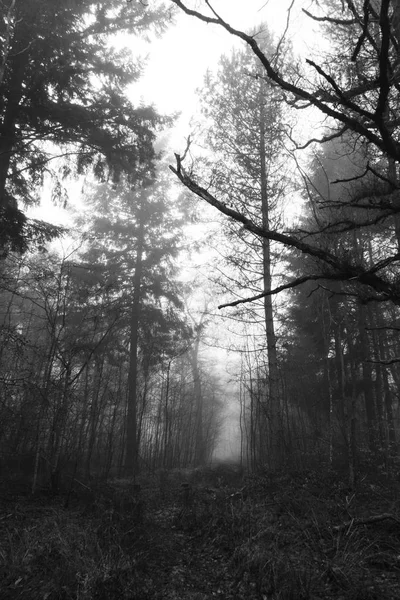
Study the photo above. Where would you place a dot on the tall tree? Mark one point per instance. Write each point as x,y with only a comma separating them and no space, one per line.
345,359
134,237
62,92
245,133
369,109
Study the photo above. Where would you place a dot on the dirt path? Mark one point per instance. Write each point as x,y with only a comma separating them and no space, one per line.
186,562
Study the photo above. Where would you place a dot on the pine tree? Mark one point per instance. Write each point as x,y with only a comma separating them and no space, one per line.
134,237
62,92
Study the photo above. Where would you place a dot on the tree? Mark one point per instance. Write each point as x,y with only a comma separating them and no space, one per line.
51,336
369,110
350,246
85,337
62,92
244,119
134,237
335,322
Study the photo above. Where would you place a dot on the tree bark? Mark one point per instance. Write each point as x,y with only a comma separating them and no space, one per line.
98,366
167,459
341,380
17,63
131,453
367,378
200,454
273,375
10,21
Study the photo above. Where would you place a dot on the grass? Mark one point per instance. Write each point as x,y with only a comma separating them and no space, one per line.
275,537
50,552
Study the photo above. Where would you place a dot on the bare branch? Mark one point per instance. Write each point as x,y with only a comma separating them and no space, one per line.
383,328
342,269
390,361
384,63
323,140
367,521
342,96
280,288
364,32
355,122
278,47
329,19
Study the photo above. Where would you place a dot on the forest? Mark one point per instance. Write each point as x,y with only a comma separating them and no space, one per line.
200,357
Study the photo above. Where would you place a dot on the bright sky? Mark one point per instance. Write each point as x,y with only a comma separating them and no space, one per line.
176,66
178,61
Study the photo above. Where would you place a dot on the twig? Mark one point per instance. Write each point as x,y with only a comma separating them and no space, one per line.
366,521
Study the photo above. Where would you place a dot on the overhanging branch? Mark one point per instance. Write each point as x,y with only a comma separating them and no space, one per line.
355,122
280,288
341,269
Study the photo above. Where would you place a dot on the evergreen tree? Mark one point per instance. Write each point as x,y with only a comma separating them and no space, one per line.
62,92
133,238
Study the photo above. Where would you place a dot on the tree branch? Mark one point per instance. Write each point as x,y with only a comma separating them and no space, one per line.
384,140
390,361
366,521
280,288
329,19
343,269
323,140
384,63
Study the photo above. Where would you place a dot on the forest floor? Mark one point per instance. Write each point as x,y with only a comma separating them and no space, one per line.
204,534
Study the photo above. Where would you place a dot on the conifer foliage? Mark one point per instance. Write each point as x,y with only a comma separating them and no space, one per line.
62,92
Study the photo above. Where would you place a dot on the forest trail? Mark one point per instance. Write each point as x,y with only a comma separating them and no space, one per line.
192,535
191,543
190,567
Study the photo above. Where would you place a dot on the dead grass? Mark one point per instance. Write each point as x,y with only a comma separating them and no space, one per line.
291,537
294,550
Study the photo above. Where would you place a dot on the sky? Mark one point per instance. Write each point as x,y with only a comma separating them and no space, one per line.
176,65
178,61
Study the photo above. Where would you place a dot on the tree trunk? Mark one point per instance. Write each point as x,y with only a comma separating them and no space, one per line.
10,22
94,412
142,408
167,423
383,344
17,63
200,454
131,455
58,430
326,334
273,375
365,357
352,414
341,380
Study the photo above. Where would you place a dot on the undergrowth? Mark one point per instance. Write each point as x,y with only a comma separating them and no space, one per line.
197,535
